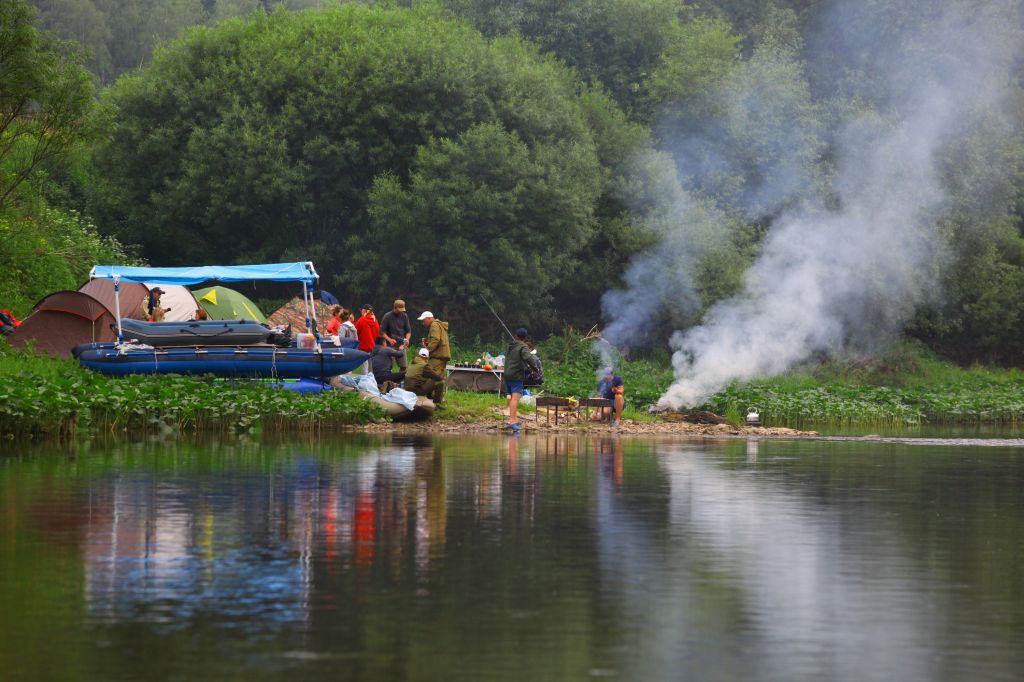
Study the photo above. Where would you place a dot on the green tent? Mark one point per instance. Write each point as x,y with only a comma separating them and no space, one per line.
221,303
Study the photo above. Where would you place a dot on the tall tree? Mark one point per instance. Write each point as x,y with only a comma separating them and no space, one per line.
627,46
398,149
45,94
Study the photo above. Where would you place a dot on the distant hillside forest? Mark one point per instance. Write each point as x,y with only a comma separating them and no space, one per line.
523,152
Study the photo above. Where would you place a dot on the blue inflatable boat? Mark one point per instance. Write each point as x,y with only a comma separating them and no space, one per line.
252,361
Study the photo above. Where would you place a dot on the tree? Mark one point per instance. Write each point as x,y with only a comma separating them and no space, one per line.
396,148
45,94
627,46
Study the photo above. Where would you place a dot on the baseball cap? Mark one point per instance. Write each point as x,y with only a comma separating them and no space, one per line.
157,290
423,353
367,306
522,332
399,305
424,315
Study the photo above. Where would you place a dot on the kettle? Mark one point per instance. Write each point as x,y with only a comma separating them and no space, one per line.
753,417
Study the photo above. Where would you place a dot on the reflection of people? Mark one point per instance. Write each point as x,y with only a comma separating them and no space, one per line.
517,358
421,379
396,329
611,387
436,343
152,311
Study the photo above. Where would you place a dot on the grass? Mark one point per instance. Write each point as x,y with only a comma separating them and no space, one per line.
906,386
57,398
466,406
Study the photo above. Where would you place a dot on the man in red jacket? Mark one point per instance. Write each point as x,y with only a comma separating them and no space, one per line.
368,330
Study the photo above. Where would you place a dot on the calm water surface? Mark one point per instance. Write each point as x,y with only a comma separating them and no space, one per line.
529,558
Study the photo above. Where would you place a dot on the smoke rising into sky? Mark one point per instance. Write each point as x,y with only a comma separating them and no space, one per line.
846,264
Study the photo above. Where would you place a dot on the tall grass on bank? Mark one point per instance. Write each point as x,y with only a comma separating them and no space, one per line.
57,398
571,368
907,385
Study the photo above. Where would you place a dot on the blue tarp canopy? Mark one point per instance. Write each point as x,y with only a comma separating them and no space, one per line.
272,272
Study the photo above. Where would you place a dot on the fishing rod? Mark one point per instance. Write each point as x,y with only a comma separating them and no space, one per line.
499,318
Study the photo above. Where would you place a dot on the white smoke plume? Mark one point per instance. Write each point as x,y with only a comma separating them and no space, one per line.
850,263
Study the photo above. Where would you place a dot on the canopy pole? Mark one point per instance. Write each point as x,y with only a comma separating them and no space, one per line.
312,304
311,307
305,301
117,307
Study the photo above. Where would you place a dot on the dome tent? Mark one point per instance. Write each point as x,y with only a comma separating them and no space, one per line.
132,295
221,303
294,313
63,320
181,304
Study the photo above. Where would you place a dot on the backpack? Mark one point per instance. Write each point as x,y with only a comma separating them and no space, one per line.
534,376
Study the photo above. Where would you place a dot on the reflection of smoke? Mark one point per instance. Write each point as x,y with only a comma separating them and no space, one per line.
850,266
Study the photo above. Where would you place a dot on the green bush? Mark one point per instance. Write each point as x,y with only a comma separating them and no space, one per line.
57,397
47,250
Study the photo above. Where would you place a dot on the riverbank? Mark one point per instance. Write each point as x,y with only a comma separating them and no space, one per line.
43,398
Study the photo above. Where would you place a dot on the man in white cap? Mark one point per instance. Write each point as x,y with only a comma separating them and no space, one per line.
436,343
422,380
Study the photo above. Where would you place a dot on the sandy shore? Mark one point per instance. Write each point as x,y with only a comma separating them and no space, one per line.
626,428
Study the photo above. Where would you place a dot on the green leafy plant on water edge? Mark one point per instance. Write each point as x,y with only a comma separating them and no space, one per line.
43,395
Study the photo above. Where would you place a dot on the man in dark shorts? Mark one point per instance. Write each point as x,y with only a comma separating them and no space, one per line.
517,358
611,387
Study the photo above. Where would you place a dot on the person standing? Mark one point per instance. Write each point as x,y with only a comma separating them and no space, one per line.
152,311
517,358
396,329
348,327
436,343
368,330
334,325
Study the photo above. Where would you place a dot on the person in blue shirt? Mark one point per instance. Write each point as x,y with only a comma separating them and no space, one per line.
611,387
380,362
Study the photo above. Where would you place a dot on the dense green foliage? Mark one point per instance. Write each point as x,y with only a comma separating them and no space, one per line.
120,35
46,250
518,150
484,153
57,397
46,96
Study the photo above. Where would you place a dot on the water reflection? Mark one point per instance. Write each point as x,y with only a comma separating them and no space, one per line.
448,558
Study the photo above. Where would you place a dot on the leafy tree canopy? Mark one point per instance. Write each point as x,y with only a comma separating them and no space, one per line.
398,149
45,95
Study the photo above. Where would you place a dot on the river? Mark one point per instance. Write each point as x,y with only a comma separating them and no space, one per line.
514,558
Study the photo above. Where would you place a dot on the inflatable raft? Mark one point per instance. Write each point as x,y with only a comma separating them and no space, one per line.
197,333
253,361
424,409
